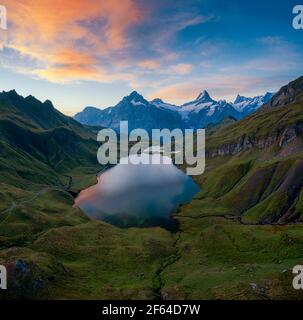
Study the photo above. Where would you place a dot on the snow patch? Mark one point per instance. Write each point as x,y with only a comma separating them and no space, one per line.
137,103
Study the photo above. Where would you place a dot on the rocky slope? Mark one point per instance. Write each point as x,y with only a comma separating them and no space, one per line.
288,94
277,125
265,154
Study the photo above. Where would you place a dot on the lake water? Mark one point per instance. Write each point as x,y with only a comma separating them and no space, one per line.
138,194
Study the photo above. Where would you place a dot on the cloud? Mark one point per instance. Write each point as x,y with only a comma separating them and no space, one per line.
182,68
275,59
152,45
68,74
219,86
70,36
97,40
149,64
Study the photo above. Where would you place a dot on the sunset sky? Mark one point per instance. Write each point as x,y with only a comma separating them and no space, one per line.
89,52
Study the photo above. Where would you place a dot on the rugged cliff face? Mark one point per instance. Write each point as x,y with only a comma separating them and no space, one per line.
276,123
293,92
279,137
254,167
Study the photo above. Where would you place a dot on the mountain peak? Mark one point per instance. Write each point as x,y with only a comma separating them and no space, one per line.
11,93
49,104
287,94
135,95
135,99
240,99
157,100
268,96
204,97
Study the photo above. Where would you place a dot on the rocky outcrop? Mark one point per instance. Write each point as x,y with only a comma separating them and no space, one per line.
27,278
291,133
287,94
280,137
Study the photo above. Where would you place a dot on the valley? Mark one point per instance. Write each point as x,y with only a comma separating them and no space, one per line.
239,238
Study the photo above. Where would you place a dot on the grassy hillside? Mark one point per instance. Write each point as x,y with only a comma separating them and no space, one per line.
242,235
51,249
259,173
238,239
38,143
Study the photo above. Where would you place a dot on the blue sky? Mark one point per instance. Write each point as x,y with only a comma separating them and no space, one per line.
85,52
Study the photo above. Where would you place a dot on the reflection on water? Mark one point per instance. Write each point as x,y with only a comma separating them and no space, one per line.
138,195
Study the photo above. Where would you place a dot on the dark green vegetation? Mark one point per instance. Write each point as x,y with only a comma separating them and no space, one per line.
238,239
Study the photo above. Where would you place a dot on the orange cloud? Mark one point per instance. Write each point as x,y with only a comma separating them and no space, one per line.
70,72
220,86
182,68
70,36
177,93
149,64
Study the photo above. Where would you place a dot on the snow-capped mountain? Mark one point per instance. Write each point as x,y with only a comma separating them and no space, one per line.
205,110
163,105
202,111
157,114
249,105
139,112
203,101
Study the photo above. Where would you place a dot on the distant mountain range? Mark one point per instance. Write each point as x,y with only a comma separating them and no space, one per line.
253,179
157,114
247,106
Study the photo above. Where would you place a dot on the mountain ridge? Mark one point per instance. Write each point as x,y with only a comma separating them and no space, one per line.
199,113
246,223
265,153
289,93
42,137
